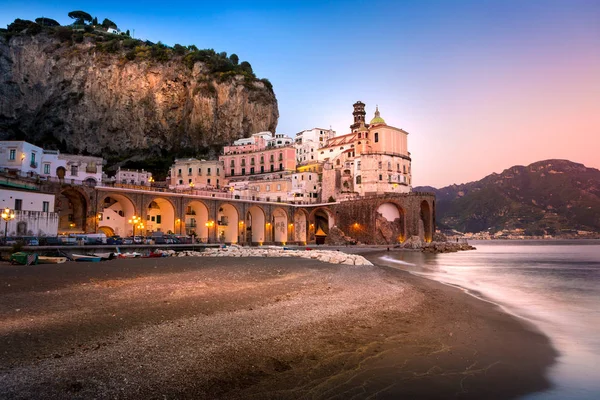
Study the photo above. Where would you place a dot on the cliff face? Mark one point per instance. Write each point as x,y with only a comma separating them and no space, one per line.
79,99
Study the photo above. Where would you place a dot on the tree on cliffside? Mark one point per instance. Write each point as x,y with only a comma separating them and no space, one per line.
107,23
234,59
46,21
80,17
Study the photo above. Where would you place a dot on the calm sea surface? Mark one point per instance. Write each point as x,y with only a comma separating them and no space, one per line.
553,284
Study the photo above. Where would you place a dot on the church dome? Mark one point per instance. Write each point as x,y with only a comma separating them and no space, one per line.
377,120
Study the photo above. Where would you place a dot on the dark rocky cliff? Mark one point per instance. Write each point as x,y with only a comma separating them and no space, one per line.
78,98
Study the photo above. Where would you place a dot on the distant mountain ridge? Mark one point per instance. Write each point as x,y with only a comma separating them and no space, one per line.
546,197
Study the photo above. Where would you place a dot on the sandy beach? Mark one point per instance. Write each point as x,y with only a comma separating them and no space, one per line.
259,328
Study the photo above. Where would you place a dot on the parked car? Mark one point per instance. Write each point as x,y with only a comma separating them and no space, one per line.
114,240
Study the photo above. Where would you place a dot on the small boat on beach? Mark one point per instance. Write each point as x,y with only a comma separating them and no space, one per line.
154,255
85,258
23,258
51,260
129,255
105,256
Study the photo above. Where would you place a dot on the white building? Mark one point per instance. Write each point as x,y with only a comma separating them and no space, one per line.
26,159
133,177
306,187
34,213
191,173
265,139
309,141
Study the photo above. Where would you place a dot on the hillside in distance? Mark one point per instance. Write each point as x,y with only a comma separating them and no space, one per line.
547,197
81,89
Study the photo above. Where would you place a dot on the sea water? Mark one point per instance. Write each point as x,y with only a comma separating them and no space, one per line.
553,284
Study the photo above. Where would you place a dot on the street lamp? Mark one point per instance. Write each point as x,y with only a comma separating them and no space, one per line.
209,225
135,221
7,215
191,187
151,181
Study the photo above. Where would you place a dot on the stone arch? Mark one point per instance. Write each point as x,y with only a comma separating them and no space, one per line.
160,216
321,219
390,223
107,230
115,210
279,225
425,222
300,227
196,220
227,224
72,208
255,225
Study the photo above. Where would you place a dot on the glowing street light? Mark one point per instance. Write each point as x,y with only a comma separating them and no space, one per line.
7,215
135,221
209,225
191,187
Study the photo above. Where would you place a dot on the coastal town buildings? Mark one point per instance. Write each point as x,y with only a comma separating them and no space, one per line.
194,174
33,211
25,159
133,177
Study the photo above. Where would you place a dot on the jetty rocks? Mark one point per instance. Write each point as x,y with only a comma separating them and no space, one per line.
327,256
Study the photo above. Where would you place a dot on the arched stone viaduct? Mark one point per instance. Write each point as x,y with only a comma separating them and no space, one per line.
384,219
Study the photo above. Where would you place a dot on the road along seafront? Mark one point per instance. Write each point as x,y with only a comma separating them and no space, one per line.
255,327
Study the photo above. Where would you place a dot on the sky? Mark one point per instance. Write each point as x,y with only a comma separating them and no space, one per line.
479,85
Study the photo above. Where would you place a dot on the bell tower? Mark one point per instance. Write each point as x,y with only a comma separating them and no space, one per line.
359,115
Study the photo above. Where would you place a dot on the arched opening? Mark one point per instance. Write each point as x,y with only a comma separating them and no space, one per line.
116,210
71,206
196,220
160,217
255,225
107,230
425,222
279,226
390,224
91,182
299,229
61,172
227,224
319,229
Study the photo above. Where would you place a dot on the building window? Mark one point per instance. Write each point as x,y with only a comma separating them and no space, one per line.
389,165
74,170
268,188
232,172
252,161
358,180
189,181
280,166
358,165
208,171
404,168
33,158
46,168
180,182
251,170
45,206
189,171
232,164
262,159
243,162
179,172
278,188
12,154
262,169
217,171
272,168
208,181
18,204
379,165
380,177
158,219
243,171
376,137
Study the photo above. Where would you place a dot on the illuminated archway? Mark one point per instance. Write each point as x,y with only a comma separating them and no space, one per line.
255,225
160,217
116,209
107,230
196,218
390,224
279,226
71,206
321,220
227,224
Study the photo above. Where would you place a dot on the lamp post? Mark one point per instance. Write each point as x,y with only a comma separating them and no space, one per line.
151,181
134,221
7,215
209,225
191,187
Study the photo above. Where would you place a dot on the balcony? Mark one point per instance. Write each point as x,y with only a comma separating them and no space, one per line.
33,164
